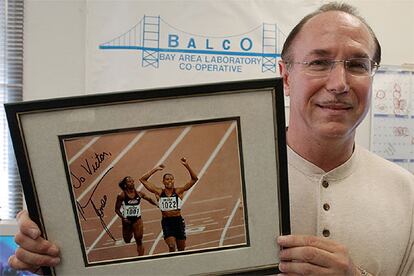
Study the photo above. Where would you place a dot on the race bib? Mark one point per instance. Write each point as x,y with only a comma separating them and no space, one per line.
169,203
132,211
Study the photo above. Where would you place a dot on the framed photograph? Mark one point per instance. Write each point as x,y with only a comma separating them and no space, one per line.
179,181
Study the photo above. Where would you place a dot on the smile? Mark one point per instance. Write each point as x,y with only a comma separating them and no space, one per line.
335,106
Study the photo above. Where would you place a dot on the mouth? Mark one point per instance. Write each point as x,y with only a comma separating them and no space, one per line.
335,106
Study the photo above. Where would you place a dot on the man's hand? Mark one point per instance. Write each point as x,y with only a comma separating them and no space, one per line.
34,251
311,255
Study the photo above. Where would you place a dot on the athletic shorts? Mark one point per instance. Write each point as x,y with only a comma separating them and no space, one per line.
133,219
173,227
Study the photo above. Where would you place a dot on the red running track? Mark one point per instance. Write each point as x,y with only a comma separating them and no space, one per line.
213,209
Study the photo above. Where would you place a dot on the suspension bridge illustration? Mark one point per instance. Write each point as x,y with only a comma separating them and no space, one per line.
148,36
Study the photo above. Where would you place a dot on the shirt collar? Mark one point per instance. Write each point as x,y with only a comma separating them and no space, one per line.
310,169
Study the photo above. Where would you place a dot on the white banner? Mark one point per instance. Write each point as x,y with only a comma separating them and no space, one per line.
144,44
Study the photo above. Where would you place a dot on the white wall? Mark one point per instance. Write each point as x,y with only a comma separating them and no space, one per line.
392,22
54,43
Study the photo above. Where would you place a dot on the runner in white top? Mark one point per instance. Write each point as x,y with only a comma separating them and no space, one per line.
128,208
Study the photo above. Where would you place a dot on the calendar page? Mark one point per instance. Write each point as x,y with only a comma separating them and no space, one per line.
392,125
391,138
391,92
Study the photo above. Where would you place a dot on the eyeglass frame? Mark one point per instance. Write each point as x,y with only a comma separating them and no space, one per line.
374,66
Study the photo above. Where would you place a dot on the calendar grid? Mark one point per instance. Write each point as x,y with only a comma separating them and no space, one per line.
392,124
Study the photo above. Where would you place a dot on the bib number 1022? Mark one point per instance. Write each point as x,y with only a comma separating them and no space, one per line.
168,204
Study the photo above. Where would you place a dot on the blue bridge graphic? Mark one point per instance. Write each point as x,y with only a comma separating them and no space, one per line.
146,37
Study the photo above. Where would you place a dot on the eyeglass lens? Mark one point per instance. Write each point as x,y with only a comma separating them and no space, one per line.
355,66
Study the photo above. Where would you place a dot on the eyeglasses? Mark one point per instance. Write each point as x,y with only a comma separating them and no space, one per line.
359,67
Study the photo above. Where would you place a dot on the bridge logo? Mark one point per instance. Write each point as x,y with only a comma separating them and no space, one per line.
159,42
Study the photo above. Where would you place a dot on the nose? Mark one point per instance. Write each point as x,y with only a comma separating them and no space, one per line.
337,81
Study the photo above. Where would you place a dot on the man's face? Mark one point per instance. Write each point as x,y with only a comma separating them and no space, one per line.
330,106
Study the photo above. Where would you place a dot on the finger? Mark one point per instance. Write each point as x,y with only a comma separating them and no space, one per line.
26,225
35,259
19,265
39,245
311,255
298,268
312,241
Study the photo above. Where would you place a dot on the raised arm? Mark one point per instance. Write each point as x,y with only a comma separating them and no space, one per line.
148,185
148,198
193,180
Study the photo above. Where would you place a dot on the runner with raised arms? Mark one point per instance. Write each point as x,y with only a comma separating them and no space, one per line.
170,201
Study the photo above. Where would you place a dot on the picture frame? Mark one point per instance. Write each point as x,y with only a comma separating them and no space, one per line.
73,152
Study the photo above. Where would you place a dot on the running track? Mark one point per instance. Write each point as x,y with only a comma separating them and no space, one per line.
213,208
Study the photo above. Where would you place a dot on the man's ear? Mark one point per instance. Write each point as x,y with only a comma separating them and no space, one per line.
284,73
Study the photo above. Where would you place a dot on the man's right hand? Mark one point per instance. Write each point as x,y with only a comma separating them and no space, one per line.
34,251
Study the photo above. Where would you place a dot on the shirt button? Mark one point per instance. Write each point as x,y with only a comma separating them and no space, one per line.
326,233
326,207
325,184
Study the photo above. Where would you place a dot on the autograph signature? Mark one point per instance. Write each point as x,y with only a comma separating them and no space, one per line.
99,211
90,168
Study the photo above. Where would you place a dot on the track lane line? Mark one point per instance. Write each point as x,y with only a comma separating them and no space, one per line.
163,158
110,166
174,145
170,150
83,149
100,236
229,220
200,175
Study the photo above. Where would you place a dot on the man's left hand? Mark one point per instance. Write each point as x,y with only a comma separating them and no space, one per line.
311,255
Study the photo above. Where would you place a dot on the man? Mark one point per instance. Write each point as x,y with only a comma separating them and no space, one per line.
170,201
351,211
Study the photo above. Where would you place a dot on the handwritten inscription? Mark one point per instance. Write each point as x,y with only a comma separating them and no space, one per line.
79,181
390,149
90,166
97,160
100,209
401,131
